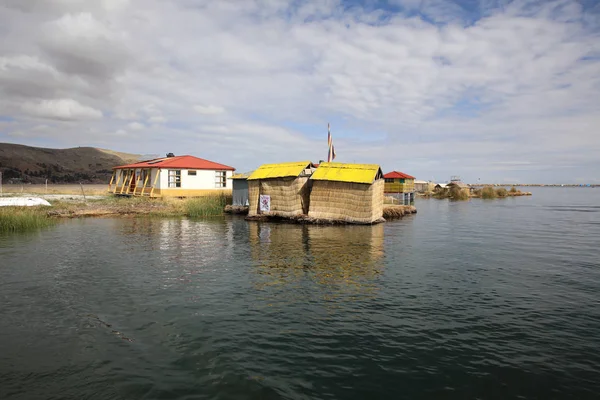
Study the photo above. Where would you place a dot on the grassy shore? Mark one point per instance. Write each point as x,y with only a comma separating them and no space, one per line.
207,206
22,219
73,189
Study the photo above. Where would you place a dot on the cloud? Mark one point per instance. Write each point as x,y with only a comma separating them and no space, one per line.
136,126
209,110
158,119
63,109
457,87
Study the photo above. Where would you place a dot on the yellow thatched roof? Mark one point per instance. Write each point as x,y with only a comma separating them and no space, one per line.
356,173
281,170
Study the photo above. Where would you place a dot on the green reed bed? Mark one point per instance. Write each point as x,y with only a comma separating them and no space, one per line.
501,192
22,219
454,193
207,206
488,192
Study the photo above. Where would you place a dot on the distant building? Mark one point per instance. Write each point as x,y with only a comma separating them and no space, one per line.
171,176
399,182
424,186
400,186
457,183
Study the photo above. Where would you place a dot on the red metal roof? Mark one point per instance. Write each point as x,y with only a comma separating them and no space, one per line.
183,162
397,175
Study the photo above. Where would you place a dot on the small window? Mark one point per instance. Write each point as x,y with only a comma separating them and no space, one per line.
174,178
389,180
146,176
192,173
220,179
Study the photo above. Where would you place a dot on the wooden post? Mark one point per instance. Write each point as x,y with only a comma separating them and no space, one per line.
145,181
130,180
124,181
123,188
112,178
82,192
119,175
155,180
137,181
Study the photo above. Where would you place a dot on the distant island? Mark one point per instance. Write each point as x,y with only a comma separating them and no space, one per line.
537,184
27,164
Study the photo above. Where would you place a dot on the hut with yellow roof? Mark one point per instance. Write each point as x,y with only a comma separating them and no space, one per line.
280,190
347,192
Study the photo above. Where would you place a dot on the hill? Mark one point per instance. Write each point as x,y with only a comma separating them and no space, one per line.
20,163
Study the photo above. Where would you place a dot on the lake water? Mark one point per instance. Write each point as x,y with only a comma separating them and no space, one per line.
465,300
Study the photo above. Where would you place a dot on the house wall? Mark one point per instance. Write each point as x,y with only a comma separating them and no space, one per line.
240,192
203,183
203,180
400,186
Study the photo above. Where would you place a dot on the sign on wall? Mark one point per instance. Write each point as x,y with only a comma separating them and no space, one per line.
265,203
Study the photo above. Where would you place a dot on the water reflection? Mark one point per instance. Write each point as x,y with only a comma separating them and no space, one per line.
339,259
320,260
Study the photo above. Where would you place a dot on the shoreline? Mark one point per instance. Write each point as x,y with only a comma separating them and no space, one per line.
390,212
69,208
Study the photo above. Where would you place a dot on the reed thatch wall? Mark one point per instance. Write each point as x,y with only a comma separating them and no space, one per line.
344,201
290,196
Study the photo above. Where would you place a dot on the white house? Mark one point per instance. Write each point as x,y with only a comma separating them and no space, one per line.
171,176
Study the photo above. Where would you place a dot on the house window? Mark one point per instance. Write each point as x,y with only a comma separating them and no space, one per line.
174,178
220,179
401,180
192,173
146,174
389,180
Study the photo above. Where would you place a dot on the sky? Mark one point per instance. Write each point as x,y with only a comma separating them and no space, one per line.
491,90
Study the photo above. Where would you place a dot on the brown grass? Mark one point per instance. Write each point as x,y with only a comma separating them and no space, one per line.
453,193
501,192
144,206
89,190
397,211
488,192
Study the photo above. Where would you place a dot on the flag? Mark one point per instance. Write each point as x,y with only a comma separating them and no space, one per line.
331,152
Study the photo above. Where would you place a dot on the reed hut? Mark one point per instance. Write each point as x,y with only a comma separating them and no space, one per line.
347,192
424,186
280,189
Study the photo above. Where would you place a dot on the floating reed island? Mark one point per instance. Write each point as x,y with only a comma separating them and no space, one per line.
390,212
489,192
333,193
463,192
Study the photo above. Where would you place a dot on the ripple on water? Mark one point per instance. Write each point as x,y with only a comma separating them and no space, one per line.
464,300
